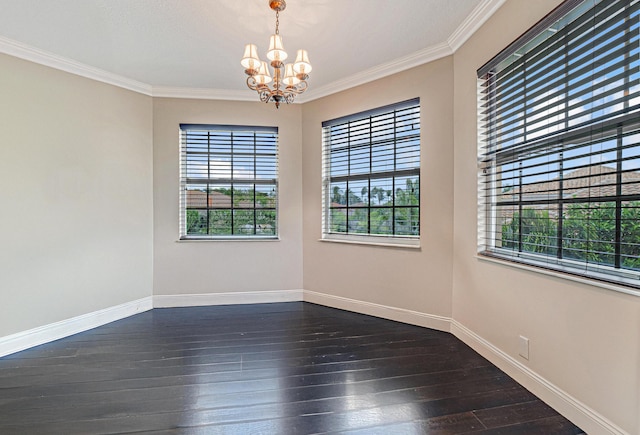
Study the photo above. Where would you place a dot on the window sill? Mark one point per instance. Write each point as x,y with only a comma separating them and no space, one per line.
230,239
387,242
556,274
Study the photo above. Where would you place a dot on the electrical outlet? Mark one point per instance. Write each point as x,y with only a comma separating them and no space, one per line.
523,347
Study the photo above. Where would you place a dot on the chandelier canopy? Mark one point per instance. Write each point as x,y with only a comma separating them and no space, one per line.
288,79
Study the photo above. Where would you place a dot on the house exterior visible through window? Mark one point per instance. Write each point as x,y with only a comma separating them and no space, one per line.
559,145
228,182
371,175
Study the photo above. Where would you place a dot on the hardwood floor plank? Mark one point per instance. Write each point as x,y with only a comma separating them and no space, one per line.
272,368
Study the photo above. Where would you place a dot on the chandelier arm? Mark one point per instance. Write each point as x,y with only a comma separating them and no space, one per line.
302,86
297,89
252,83
265,95
289,97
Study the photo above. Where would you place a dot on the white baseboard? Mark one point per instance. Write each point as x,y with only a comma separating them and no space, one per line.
55,331
432,321
580,414
231,298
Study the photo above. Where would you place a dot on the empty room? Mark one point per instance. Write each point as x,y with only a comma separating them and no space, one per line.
320,216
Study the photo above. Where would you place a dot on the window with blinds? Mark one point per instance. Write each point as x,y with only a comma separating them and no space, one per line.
371,175
228,182
559,144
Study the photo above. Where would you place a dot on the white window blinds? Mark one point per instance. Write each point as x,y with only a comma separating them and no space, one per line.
559,148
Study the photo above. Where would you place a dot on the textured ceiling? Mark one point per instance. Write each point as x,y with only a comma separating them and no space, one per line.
199,43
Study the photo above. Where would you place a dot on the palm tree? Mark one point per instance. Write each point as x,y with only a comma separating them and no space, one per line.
336,196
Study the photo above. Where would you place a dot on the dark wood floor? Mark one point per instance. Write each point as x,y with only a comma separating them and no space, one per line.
290,368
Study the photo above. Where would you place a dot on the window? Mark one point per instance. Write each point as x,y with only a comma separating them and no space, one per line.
228,182
559,145
371,175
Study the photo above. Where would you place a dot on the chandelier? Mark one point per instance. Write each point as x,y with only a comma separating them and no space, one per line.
288,79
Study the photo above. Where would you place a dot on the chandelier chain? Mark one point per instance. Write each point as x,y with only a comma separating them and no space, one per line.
277,22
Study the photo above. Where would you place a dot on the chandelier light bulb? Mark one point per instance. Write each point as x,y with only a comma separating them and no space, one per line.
250,60
276,51
290,78
263,77
302,65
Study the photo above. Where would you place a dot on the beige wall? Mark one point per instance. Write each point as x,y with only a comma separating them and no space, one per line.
418,280
76,189
225,266
583,339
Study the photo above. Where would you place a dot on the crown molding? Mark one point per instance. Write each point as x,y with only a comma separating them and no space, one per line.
401,64
203,93
23,51
476,18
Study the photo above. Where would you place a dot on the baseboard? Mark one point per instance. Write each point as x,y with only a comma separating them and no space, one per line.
55,331
580,414
230,298
432,321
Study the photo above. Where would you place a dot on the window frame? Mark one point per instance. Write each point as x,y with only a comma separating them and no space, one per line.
225,175
401,112
503,143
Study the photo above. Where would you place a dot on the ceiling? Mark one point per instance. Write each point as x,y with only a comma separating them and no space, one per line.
193,47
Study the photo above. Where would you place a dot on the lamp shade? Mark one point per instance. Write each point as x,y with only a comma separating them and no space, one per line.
250,60
264,76
290,78
276,49
302,65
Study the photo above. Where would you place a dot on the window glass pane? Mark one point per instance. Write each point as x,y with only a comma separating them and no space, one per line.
407,221
407,191
358,193
220,222
243,196
265,196
358,219
266,222
382,221
630,235
382,191
338,220
243,222
589,232
220,196
338,193
196,221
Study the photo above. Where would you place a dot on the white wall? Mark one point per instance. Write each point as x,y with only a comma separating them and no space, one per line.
408,279
210,267
76,190
583,339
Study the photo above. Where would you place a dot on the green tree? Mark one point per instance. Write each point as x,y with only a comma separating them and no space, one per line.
588,233
196,222
337,196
